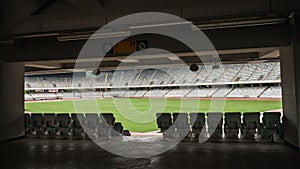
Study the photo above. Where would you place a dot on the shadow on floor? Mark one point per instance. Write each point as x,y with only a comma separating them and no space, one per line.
84,154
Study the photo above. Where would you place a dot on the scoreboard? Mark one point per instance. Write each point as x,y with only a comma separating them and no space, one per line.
125,47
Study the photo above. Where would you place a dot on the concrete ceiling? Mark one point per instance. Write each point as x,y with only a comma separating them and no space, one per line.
36,16
52,18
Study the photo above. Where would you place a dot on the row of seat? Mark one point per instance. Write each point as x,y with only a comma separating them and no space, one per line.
216,124
67,125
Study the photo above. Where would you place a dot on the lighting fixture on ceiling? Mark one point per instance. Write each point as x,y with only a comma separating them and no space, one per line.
89,35
173,58
159,25
129,61
239,22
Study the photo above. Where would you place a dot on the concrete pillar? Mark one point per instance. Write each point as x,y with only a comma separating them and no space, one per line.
290,77
11,100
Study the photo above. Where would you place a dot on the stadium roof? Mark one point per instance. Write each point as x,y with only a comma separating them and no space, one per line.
149,61
35,33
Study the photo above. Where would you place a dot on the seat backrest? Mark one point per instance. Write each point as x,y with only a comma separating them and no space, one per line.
92,119
197,120
164,120
63,119
215,119
27,119
37,119
175,115
233,119
118,127
50,119
108,118
251,119
78,119
180,120
271,119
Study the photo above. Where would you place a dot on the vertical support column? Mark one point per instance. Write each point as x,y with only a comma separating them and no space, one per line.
11,100
290,77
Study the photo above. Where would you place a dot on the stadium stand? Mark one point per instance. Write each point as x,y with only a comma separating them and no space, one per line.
65,126
140,93
239,92
214,75
114,93
178,92
28,97
272,92
165,76
171,125
246,92
229,80
274,74
202,92
88,94
169,77
43,96
70,95
230,72
261,71
137,82
155,93
222,92
129,93
245,72
236,125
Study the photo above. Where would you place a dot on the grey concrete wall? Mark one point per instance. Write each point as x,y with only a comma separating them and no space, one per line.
290,77
11,100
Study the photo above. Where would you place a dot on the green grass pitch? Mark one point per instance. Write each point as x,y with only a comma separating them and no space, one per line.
147,108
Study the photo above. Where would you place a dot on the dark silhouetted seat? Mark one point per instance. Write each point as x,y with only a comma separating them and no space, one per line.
108,118
118,129
251,124
164,122
126,133
76,127
197,121
232,124
37,123
271,125
214,124
106,125
181,124
27,123
50,125
64,123
93,123
92,120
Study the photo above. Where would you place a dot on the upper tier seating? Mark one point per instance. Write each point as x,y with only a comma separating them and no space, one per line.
165,76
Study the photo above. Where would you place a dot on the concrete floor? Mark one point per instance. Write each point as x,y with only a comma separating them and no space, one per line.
84,154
